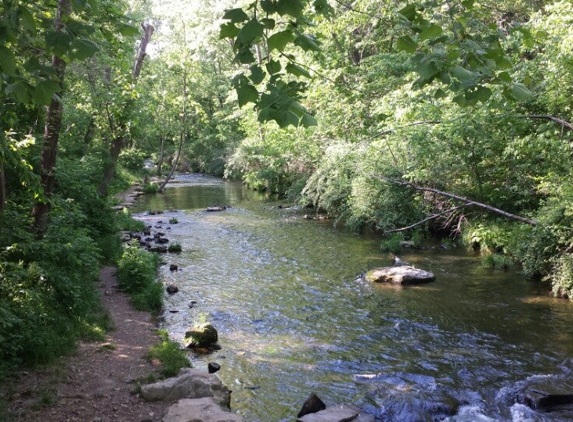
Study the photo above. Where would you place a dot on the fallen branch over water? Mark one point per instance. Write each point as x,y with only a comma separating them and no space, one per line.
466,201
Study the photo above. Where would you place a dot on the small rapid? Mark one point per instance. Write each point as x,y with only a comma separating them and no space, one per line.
293,318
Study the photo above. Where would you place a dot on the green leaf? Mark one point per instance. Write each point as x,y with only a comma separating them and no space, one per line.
504,77
245,56
520,92
427,69
483,93
252,31
79,5
307,42
407,44
461,73
308,121
228,30
296,70
269,6
27,20
128,30
235,15
21,90
290,7
440,93
432,31
246,92
44,92
82,49
257,74
7,61
460,100
269,23
322,7
286,119
273,66
409,12
279,40
58,42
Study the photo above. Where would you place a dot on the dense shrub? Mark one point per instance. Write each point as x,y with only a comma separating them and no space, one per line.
48,295
136,273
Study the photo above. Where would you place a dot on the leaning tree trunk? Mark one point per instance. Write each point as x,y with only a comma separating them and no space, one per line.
182,134
51,134
119,139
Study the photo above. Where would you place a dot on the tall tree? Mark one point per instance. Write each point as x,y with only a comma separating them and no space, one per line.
118,128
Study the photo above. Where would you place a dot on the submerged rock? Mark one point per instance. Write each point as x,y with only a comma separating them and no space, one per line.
403,274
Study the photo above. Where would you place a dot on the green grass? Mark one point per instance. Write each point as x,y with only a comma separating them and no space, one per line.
170,354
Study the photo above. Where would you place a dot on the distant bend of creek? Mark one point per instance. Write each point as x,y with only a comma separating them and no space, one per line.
293,318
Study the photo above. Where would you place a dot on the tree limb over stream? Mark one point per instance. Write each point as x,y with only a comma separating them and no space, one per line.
466,201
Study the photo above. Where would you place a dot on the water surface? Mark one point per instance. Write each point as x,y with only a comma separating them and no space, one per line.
293,318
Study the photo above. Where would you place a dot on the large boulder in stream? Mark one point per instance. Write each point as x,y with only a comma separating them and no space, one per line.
546,393
401,274
201,336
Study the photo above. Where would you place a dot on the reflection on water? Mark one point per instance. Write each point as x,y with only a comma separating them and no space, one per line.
293,318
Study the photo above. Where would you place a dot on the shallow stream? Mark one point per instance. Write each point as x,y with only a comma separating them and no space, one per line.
293,318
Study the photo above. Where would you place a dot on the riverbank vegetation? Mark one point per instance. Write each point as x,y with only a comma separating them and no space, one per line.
411,118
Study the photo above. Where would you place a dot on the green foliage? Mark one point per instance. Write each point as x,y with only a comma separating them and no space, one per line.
136,269
174,248
126,222
149,298
171,356
132,159
150,188
562,276
497,261
48,295
269,26
392,243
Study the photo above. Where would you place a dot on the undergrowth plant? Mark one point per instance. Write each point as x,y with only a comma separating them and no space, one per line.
136,273
170,354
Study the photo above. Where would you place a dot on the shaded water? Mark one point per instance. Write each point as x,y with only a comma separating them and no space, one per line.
294,319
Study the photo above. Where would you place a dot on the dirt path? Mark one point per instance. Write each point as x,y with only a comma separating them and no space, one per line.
97,384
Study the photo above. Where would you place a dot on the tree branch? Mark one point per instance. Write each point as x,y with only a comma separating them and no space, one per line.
451,210
563,123
459,198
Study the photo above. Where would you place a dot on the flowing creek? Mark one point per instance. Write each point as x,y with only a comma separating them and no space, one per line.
293,318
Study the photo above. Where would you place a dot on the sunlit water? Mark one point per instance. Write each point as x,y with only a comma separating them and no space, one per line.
293,318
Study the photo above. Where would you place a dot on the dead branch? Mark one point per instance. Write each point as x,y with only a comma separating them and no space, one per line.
451,210
142,52
466,201
562,122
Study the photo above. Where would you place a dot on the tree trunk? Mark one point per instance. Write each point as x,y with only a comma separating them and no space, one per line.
161,154
119,137
51,134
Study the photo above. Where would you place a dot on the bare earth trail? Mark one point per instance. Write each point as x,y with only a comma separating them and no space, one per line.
98,383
